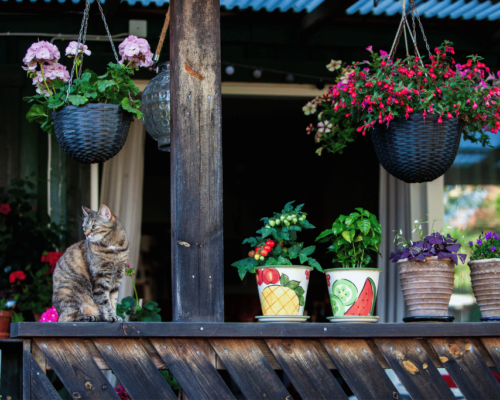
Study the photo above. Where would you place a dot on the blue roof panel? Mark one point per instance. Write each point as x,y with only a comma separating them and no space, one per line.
467,10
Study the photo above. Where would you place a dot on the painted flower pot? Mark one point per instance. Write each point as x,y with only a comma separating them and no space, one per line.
353,292
427,285
283,290
485,277
5,318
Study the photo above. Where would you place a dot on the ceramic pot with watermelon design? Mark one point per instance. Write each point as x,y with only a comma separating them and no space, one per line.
353,292
282,292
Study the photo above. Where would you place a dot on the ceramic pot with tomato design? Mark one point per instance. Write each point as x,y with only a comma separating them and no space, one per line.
283,289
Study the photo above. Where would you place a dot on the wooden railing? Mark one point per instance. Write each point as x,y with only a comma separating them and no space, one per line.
252,354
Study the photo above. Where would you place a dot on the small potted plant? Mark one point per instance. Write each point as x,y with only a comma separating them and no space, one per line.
427,273
90,114
354,239
282,284
484,267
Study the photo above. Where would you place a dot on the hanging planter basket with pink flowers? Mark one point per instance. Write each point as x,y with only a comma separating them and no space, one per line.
416,109
89,114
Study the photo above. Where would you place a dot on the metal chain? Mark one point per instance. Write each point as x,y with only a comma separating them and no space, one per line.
423,33
107,30
83,32
412,3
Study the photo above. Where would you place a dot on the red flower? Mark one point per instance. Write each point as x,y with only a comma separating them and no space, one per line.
5,209
17,275
52,258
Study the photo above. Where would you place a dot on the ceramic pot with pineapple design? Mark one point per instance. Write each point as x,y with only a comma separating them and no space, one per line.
283,289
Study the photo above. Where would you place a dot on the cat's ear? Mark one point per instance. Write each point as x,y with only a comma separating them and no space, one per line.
105,212
87,211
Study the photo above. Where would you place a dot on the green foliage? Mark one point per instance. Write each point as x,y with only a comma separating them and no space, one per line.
353,239
281,229
172,382
486,247
17,317
149,312
295,286
23,235
114,87
36,296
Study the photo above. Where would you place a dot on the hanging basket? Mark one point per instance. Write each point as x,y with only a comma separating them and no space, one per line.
417,150
91,133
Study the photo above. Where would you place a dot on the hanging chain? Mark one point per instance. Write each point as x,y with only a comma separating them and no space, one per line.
412,3
83,32
421,29
107,30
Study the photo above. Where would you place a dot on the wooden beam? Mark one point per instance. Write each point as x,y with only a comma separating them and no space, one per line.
196,161
254,330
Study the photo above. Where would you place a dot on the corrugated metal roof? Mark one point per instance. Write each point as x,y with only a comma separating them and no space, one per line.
453,9
256,5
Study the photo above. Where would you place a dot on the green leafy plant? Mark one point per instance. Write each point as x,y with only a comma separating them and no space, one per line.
487,246
36,295
24,233
354,239
17,317
277,242
149,312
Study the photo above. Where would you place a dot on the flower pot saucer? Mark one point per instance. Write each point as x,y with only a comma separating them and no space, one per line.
490,319
282,318
446,318
354,318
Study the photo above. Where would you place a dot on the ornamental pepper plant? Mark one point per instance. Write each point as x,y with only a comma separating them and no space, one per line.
487,246
277,242
354,239
370,94
52,79
436,244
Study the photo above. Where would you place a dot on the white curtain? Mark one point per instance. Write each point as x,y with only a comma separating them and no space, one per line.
121,191
394,215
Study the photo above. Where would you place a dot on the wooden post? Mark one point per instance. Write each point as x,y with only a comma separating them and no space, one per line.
196,161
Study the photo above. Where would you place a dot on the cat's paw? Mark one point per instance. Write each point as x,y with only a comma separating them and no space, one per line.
114,318
86,318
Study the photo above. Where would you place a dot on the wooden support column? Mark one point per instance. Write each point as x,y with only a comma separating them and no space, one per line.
196,161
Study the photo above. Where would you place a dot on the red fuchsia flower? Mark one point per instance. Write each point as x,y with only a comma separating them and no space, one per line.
440,121
449,115
17,275
474,106
49,316
5,209
122,393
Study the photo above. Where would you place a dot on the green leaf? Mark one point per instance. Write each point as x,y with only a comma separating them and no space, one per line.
364,226
302,301
293,285
325,234
348,235
104,84
284,280
283,261
271,261
37,111
267,232
245,265
77,100
313,263
288,207
299,290
293,251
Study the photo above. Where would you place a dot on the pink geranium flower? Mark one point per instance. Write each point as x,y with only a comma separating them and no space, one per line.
40,53
49,315
71,49
135,52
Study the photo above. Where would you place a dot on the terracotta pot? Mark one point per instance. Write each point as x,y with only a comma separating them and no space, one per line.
5,318
485,277
283,289
427,285
37,316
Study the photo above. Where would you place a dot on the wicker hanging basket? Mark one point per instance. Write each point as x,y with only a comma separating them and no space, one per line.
417,150
91,133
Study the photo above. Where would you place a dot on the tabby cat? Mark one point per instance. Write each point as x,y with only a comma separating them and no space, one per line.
87,276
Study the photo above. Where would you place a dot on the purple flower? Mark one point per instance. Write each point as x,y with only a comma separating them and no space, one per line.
488,235
471,244
370,49
479,242
492,248
495,236
383,53
71,49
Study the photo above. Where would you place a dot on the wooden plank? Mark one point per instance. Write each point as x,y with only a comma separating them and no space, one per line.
492,345
39,358
196,161
305,368
41,388
134,369
76,369
249,368
27,357
415,369
462,360
253,330
193,370
360,369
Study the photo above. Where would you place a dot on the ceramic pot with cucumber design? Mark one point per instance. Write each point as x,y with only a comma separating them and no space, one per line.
352,292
